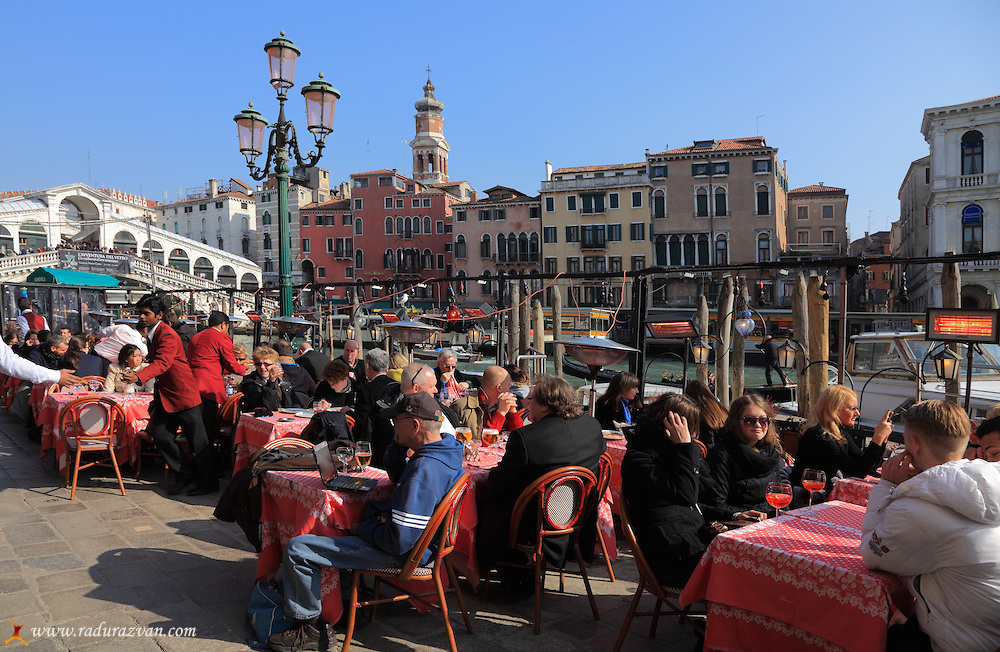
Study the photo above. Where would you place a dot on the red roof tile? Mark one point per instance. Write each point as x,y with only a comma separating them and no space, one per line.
335,204
601,168
382,171
805,189
724,145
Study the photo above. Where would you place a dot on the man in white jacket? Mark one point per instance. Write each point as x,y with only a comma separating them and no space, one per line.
935,519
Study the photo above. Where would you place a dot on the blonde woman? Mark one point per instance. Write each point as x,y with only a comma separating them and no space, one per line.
823,446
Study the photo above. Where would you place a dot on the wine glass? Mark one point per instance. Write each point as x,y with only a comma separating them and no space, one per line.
364,454
813,480
345,454
490,436
778,495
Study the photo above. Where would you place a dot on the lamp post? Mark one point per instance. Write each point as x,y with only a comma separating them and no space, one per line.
321,99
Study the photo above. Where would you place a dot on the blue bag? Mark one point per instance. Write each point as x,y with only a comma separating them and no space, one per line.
266,614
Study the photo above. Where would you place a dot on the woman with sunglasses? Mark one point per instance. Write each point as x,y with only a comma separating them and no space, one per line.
823,446
746,458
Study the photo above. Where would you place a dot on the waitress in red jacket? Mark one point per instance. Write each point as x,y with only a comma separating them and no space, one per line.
176,401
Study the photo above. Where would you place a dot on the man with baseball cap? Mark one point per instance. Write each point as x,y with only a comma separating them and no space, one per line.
389,529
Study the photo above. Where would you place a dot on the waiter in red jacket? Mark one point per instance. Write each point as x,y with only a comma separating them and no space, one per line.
209,353
176,401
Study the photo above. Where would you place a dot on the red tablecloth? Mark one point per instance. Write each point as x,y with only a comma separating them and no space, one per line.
136,407
253,432
617,449
795,584
854,490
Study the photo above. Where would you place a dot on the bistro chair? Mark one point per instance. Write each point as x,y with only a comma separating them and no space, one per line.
95,379
442,530
229,418
665,595
561,501
603,481
91,424
287,442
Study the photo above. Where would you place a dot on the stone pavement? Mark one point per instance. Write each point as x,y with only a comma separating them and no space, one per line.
147,560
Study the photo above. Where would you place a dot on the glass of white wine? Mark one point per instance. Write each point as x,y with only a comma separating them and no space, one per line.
364,454
346,455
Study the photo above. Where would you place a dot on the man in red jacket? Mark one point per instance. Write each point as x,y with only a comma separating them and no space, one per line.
176,401
209,353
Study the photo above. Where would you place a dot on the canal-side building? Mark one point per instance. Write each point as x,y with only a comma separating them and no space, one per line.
912,238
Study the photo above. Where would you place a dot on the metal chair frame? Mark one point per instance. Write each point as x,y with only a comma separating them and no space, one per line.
112,433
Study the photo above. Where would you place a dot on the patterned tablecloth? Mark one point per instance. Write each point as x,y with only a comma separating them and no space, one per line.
295,502
854,490
253,432
795,583
136,407
617,449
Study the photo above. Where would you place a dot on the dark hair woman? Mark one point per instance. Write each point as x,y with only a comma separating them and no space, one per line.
713,415
620,403
129,359
664,477
747,456
78,356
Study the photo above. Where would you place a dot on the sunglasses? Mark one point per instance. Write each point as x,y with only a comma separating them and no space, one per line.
763,422
413,381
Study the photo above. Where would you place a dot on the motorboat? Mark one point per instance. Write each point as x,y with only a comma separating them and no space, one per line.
892,370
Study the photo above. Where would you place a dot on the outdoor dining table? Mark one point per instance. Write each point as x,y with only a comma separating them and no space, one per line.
252,433
854,490
296,502
136,407
795,583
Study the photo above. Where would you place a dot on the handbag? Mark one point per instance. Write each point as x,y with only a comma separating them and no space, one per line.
266,614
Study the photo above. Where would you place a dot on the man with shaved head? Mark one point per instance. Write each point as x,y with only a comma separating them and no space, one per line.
492,406
418,377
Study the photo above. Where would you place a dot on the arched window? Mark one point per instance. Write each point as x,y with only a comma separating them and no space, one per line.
359,228
485,247
972,229
399,226
522,246
387,259
359,260
533,246
674,247
501,247
177,228
703,258
688,245
721,250
660,250
427,225
763,247
488,285
511,247
246,227
246,246
388,226
659,204
428,260
267,241
763,200
416,226
376,292
701,203
460,247
463,287
972,153
266,219
408,229
721,205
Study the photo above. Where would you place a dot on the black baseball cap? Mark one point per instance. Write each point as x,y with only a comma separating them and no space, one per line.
419,404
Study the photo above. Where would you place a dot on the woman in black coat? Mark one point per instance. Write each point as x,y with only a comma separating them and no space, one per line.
746,458
824,447
664,477
620,403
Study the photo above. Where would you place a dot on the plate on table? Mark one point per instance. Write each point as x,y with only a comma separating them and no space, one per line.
299,412
612,434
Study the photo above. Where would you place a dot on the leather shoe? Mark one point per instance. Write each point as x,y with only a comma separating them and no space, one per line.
202,489
183,481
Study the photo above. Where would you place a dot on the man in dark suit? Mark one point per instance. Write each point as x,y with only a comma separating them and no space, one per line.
176,401
368,417
560,434
357,367
300,380
209,354
312,361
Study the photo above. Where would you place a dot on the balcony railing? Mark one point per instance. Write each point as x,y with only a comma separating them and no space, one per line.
973,180
598,243
970,180
626,180
516,258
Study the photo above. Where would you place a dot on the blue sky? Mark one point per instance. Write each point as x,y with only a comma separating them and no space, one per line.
150,89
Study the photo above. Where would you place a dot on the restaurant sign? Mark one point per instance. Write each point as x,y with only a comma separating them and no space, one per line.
955,325
100,262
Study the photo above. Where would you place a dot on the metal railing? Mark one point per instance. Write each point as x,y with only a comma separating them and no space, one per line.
626,180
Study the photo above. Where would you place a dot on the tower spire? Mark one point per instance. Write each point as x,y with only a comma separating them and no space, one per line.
430,149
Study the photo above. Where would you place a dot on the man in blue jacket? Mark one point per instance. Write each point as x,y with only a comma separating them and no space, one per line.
389,529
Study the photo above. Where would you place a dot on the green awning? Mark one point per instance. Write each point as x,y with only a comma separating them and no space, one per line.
72,277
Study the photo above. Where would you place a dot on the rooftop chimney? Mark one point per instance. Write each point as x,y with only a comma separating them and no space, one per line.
213,188
548,170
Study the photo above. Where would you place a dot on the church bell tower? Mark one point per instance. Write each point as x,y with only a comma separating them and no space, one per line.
430,149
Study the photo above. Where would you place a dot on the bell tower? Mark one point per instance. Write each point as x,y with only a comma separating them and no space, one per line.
430,149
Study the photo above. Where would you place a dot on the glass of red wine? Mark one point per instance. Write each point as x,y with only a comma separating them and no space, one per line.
778,495
813,480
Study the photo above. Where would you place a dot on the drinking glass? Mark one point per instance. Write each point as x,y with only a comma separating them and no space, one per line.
95,385
345,454
364,453
490,436
778,495
813,480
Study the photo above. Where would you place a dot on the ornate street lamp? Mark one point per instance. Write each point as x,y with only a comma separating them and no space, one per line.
744,323
373,332
595,352
321,99
702,349
475,335
946,364
786,355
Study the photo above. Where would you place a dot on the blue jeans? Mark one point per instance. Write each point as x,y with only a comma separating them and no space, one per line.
308,554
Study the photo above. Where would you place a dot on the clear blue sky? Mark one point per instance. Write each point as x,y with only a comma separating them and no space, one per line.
150,89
